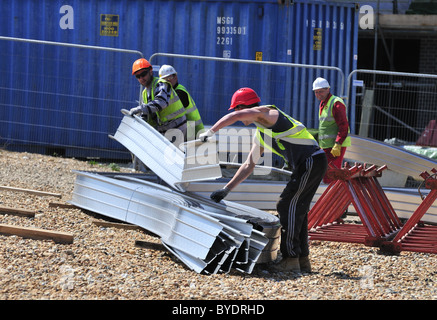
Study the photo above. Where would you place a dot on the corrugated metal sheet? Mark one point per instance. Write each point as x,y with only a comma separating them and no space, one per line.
365,150
70,98
207,237
397,159
175,166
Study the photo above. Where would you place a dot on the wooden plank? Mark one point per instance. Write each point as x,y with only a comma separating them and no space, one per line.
62,205
407,21
35,233
17,211
35,192
107,224
150,245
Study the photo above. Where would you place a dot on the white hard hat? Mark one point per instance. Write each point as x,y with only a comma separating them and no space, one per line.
166,70
319,83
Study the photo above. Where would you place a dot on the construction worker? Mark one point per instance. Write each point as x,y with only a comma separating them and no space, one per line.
161,105
333,124
288,138
169,74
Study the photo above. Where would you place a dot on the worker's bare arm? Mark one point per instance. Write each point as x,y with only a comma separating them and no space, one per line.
247,167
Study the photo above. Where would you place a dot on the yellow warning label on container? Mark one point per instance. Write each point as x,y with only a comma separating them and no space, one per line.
317,39
258,56
109,25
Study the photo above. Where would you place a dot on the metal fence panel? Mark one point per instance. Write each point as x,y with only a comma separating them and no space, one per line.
213,95
388,105
63,98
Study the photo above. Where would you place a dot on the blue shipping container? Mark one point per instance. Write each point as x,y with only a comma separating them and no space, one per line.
67,100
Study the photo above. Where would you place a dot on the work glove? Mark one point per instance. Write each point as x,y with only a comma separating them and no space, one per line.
336,150
135,110
204,136
218,195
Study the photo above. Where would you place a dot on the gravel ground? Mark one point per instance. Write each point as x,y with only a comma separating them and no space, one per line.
104,262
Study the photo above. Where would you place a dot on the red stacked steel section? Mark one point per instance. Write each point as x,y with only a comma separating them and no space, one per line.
415,235
356,185
380,226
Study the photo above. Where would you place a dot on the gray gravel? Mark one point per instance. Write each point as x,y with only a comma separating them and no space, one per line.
105,263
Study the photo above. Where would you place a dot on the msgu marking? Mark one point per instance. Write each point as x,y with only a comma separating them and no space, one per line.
225,20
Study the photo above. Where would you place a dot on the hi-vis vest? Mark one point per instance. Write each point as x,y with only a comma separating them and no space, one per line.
191,110
297,134
328,128
175,108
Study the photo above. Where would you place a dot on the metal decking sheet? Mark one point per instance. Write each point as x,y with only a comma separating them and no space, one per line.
206,236
397,159
171,164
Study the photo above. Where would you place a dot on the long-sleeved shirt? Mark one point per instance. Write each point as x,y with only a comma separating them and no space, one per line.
339,113
161,97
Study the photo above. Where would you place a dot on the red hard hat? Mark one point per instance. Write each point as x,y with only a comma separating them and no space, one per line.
140,64
244,96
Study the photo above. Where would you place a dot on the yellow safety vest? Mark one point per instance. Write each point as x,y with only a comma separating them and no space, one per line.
297,134
175,108
192,112
328,128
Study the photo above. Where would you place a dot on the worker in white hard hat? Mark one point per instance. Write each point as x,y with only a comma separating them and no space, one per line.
168,73
333,124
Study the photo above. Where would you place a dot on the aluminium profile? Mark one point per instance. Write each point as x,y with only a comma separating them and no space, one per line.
263,221
207,241
175,166
397,159
177,224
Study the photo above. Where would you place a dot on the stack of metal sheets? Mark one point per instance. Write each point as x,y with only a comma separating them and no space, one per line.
208,237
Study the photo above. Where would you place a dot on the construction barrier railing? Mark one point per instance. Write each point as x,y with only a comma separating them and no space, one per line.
381,227
387,105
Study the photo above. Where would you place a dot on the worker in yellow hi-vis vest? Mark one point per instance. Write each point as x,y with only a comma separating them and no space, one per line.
333,124
168,73
161,106
289,138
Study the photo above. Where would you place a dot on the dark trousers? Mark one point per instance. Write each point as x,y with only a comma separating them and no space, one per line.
294,204
336,162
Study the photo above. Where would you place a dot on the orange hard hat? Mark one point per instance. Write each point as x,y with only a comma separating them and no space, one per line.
140,64
244,96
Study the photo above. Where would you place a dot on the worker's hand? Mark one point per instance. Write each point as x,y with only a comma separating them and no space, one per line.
135,110
336,150
218,195
204,136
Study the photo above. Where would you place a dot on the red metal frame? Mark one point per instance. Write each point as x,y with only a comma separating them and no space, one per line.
415,235
356,185
380,227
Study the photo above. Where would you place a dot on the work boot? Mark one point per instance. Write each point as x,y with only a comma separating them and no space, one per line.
286,265
305,265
